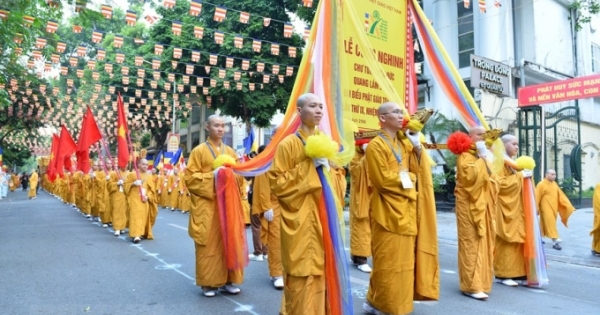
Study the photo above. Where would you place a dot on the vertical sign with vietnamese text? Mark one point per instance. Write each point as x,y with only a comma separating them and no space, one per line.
172,142
385,24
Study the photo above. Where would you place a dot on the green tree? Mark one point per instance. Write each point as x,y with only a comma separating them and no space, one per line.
255,107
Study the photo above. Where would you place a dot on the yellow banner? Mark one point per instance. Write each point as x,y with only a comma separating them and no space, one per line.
385,24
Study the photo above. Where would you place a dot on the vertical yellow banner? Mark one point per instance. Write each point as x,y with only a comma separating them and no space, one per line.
385,23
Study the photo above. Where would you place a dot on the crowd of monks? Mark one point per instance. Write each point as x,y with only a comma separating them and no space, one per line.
392,213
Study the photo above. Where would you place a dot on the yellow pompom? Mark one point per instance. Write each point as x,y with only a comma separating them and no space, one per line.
525,162
489,142
223,159
320,146
414,125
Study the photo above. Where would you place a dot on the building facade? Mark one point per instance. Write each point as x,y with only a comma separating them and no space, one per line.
538,41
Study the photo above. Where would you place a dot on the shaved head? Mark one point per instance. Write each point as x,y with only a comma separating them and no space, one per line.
213,118
387,107
305,99
511,144
550,175
508,138
549,171
476,133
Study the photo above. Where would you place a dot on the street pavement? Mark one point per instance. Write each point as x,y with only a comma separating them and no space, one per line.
55,261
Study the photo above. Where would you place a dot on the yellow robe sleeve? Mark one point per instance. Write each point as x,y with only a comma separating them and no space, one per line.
198,177
261,194
473,178
128,182
292,175
510,218
360,186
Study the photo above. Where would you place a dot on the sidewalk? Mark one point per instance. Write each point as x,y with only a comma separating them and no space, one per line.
576,240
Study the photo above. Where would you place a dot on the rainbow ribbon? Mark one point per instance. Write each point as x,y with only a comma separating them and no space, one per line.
445,72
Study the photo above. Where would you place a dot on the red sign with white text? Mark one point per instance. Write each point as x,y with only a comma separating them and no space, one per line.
560,91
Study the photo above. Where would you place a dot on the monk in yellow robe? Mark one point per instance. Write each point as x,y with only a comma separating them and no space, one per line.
404,240
164,190
204,225
33,182
185,202
595,233
152,205
93,193
174,189
245,188
72,188
295,182
100,182
266,208
551,201
118,199
509,257
139,190
360,197
475,213
16,181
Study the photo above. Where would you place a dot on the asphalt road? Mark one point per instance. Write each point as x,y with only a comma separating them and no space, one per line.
55,261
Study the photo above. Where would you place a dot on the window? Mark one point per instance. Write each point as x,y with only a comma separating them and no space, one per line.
466,38
596,58
196,114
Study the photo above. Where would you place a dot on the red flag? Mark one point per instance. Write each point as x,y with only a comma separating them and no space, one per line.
52,162
122,130
66,148
89,135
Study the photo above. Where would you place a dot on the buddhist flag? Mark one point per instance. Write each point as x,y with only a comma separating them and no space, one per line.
198,32
169,3
244,17
219,37
89,135
107,11
96,37
52,26
176,28
288,29
195,7
307,3
292,52
130,18
256,45
238,41
220,14
122,131
195,56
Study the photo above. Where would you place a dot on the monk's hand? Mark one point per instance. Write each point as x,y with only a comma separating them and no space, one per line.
481,149
120,182
137,182
170,191
526,173
269,215
107,177
415,138
364,147
321,162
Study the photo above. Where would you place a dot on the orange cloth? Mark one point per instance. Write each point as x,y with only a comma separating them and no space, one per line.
118,202
138,209
33,182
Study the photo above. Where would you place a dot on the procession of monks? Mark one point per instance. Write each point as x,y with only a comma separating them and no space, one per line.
392,213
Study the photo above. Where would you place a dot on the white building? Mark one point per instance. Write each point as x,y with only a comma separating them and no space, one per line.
536,39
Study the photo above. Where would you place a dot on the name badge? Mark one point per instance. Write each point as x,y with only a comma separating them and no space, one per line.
405,179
